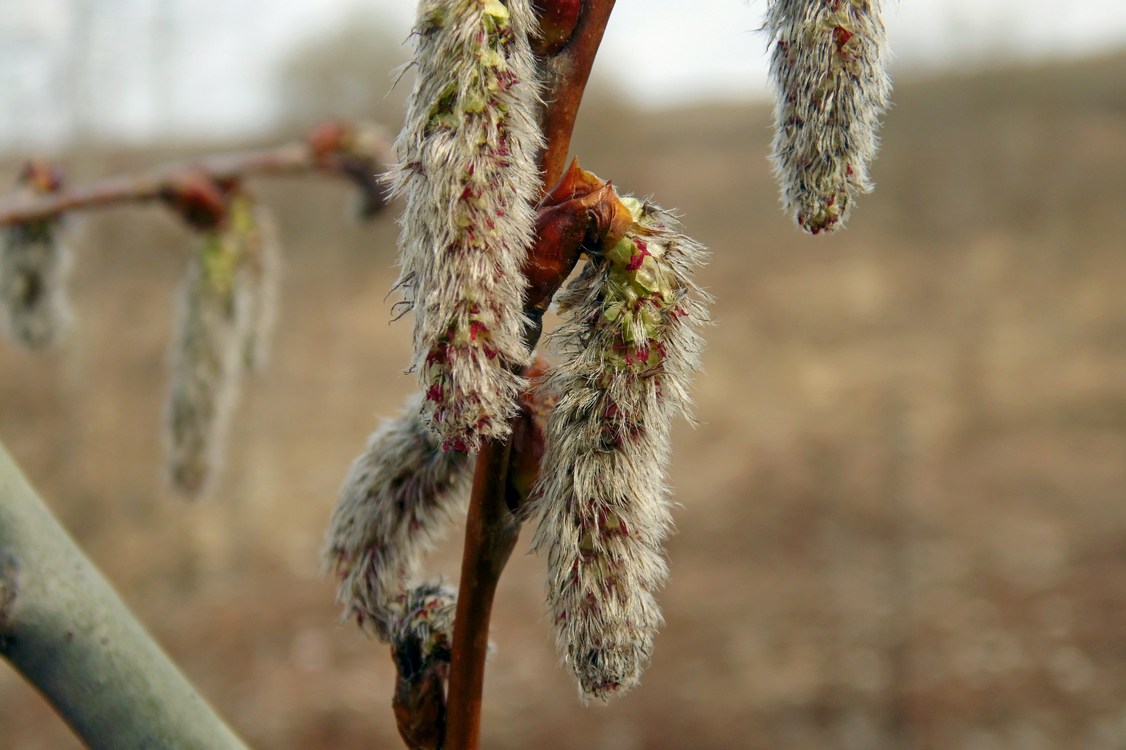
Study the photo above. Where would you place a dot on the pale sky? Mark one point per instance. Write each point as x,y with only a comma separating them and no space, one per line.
217,65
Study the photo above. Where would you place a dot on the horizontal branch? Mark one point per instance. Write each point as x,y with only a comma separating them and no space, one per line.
335,149
66,631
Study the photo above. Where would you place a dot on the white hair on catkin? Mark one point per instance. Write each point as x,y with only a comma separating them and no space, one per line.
34,267
467,167
829,71
227,307
205,361
393,505
260,274
629,345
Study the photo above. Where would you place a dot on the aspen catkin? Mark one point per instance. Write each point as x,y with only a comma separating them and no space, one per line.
629,344
828,67
467,169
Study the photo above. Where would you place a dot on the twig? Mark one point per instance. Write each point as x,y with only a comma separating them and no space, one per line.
66,631
336,149
492,527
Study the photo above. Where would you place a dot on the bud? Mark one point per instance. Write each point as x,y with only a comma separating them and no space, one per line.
828,68
34,267
629,344
394,503
467,167
421,643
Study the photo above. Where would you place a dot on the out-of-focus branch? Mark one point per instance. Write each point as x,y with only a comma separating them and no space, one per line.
65,630
575,31
337,149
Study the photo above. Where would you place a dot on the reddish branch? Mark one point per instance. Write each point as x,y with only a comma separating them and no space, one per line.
336,149
492,527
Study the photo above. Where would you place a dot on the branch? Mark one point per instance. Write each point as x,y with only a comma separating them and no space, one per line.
336,149
492,527
65,630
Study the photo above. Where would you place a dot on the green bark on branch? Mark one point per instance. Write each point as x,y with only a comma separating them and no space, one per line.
65,630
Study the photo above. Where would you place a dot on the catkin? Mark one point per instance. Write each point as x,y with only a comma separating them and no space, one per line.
466,165
828,67
34,266
629,344
205,363
252,226
393,505
227,310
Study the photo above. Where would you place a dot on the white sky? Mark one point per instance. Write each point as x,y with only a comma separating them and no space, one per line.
217,64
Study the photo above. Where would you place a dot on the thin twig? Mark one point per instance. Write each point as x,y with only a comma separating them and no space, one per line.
336,149
492,527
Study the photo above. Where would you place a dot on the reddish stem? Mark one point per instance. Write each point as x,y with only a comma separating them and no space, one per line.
353,156
491,527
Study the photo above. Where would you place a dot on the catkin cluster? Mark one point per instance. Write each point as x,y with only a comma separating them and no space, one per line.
629,344
828,67
226,310
395,501
467,170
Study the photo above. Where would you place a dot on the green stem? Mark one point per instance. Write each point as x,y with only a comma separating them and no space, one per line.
65,630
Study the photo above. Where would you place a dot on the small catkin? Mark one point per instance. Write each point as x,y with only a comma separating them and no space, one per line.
252,225
393,505
206,360
629,344
34,266
829,71
423,632
467,169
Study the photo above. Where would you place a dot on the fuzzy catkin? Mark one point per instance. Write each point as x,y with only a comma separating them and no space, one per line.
205,362
629,344
829,70
425,626
394,503
34,266
260,273
467,169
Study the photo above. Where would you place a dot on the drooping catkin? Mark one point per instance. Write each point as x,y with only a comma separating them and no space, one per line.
393,505
252,226
629,344
829,71
206,359
227,309
34,267
467,169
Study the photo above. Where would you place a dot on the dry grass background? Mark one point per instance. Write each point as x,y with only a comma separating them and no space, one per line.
903,518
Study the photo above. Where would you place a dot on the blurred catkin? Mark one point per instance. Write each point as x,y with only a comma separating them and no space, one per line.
394,503
629,344
260,272
205,361
467,169
34,267
829,71
226,313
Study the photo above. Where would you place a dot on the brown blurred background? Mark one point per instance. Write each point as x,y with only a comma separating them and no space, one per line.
902,517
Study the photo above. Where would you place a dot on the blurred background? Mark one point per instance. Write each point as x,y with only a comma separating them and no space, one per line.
902,517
